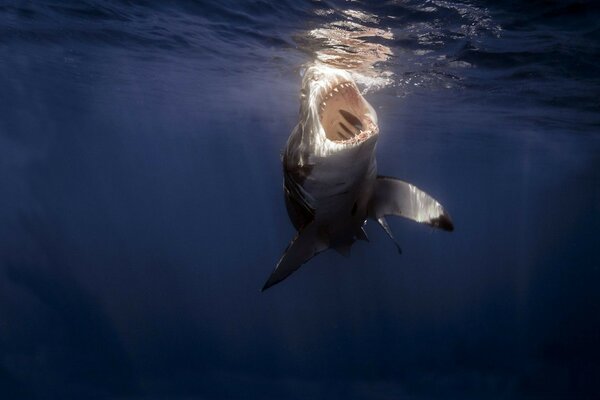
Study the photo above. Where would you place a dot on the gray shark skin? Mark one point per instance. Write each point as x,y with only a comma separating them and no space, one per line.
331,184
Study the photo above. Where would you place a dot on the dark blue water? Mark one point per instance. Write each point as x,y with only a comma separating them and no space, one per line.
141,205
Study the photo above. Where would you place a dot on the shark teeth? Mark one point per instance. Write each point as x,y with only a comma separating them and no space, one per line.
333,92
367,129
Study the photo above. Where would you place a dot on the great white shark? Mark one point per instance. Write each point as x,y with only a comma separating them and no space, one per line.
331,186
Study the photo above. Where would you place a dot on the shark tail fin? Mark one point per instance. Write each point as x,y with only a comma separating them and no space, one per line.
305,246
395,197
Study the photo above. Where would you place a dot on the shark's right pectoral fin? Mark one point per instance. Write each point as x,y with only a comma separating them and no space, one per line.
395,197
305,246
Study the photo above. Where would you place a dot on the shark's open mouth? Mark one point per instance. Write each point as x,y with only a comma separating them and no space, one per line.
345,116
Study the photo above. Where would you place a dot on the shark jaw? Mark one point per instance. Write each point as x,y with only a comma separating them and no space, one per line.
337,115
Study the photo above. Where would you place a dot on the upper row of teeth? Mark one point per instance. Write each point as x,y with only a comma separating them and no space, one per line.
335,90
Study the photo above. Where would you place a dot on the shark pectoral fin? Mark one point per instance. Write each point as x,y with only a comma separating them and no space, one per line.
395,197
305,245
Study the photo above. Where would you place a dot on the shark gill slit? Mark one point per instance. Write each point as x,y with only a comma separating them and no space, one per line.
348,131
352,119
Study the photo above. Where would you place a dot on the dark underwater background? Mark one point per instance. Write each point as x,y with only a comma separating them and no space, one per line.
141,205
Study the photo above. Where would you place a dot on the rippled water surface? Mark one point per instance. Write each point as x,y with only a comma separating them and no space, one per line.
142,208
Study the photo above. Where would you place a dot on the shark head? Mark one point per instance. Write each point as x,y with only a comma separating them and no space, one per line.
334,114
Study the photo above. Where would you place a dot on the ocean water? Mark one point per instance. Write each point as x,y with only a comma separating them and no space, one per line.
141,205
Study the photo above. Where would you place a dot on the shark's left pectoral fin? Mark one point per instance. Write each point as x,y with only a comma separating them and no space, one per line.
395,197
305,246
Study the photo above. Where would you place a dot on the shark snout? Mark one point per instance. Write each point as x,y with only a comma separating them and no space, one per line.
344,115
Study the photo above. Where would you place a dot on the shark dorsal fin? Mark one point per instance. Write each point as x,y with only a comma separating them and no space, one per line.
305,246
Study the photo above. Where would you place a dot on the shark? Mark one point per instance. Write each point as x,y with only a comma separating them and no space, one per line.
330,180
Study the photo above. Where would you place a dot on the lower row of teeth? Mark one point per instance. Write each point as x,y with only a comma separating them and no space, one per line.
357,138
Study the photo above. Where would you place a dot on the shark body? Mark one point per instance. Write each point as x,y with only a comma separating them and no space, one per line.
331,186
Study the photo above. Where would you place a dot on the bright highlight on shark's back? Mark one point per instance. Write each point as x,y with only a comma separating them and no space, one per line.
331,185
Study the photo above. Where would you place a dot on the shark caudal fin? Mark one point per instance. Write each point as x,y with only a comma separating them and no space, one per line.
305,246
395,197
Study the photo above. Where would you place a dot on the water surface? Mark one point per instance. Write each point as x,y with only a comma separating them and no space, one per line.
142,206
